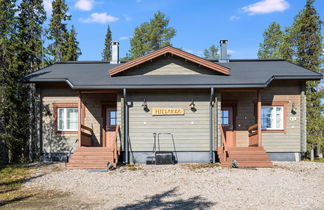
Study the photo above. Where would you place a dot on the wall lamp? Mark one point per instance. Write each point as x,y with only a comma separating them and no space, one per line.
144,105
192,106
293,108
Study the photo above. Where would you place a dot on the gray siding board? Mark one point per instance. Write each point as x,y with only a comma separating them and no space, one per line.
289,141
191,130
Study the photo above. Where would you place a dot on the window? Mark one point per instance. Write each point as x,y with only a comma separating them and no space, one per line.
111,118
225,117
67,119
272,118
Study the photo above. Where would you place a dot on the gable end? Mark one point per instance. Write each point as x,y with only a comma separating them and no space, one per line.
173,51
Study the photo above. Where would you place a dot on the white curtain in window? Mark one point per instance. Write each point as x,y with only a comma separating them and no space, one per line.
272,117
72,119
67,119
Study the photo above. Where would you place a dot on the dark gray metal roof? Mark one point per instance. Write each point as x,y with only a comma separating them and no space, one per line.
244,73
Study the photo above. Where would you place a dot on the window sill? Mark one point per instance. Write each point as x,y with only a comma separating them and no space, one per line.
273,131
66,132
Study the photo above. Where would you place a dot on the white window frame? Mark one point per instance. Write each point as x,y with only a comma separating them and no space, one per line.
274,117
65,121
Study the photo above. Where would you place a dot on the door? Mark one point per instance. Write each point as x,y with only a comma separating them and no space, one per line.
228,125
110,126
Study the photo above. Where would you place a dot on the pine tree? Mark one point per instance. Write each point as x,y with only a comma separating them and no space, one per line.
272,41
305,39
57,31
8,24
17,97
211,53
106,54
71,51
285,48
151,36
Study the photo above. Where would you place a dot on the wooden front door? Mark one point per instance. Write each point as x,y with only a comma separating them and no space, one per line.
110,125
228,124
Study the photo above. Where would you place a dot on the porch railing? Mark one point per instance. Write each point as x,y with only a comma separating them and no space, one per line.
86,134
224,144
115,148
253,135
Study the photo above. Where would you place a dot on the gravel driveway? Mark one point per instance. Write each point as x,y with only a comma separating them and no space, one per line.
289,185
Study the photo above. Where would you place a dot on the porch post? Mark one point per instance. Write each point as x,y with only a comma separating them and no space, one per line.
211,153
126,147
259,118
79,120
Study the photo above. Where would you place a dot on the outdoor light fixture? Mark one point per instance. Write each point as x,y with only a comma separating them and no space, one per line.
192,106
293,108
144,105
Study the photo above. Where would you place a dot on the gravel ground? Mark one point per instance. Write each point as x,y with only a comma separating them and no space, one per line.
289,185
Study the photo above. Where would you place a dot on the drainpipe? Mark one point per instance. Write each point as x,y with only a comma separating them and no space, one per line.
216,120
211,155
125,127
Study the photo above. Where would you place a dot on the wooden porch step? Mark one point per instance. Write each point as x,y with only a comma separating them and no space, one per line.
246,149
247,152
92,149
88,157
249,158
246,157
250,164
78,153
86,166
90,161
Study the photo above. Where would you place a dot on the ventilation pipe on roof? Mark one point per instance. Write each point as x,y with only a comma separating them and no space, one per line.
223,58
115,52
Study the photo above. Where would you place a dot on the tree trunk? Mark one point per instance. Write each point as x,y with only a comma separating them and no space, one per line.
312,153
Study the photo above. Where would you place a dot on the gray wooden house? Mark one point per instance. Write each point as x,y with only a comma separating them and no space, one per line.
249,110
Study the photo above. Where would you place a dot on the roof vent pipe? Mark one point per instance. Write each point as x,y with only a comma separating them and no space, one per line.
223,58
115,52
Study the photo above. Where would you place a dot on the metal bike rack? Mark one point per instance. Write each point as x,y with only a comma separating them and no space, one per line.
159,156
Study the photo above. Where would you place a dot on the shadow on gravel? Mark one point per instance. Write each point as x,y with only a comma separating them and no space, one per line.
20,181
156,201
6,202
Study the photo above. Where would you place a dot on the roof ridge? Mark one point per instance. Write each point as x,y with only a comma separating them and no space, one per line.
82,62
250,60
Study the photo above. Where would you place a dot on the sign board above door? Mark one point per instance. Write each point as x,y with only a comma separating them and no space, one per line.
167,111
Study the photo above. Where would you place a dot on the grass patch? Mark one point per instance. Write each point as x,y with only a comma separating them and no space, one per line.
197,166
133,167
319,160
11,179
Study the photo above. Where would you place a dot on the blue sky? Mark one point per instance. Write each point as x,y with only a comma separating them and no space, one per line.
198,23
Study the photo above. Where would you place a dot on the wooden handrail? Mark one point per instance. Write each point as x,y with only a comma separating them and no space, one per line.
115,147
224,145
86,128
86,134
253,135
253,127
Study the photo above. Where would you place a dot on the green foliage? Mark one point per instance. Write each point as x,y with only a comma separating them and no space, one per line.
150,36
106,54
57,31
301,44
273,39
23,54
305,34
211,53
72,51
